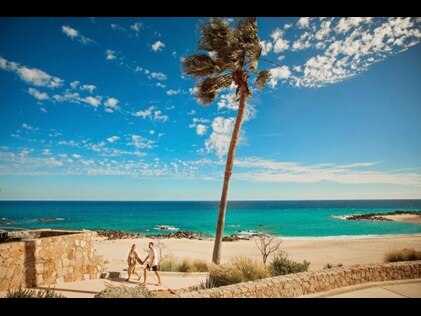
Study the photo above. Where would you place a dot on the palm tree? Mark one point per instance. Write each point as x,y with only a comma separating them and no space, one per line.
229,55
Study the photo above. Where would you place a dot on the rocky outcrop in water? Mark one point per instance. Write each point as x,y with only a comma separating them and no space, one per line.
380,216
179,235
117,234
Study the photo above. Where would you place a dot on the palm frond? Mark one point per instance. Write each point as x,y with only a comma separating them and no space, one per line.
208,88
199,65
215,34
261,79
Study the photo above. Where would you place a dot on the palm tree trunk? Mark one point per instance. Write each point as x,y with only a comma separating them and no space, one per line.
216,258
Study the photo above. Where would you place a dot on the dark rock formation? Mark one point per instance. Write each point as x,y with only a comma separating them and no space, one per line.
380,216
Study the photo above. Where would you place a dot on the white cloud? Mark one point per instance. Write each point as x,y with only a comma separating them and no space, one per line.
174,54
74,84
46,152
277,34
173,92
94,101
157,46
324,30
141,142
228,101
117,27
152,114
266,47
281,58
280,45
303,22
287,26
192,112
88,87
278,73
110,54
151,132
113,139
265,170
70,32
220,137
37,94
76,156
193,91
346,46
196,120
74,34
32,76
111,105
42,109
29,127
70,143
201,129
145,113
157,75
158,116
136,27
297,68
160,85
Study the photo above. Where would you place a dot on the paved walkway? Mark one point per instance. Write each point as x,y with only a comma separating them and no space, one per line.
89,288
391,289
174,280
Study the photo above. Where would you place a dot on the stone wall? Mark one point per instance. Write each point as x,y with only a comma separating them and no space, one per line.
294,285
46,261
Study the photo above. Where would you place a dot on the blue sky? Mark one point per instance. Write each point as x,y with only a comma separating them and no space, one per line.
98,109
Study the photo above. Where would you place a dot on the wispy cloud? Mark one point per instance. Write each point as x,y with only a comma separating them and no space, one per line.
117,27
94,101
32,76
111,105
173,92
340,48
136,27
201,129
264,170
151,113
113,139
75,34
29,127
41,96
157,46
141,142
110,54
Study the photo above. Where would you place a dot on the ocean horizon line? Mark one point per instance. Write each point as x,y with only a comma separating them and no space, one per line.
251,200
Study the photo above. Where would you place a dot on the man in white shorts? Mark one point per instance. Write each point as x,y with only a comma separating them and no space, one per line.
152,264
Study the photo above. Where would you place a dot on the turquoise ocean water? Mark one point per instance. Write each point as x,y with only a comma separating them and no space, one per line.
284,218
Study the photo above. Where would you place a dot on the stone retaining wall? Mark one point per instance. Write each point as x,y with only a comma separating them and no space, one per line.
294,285
46,261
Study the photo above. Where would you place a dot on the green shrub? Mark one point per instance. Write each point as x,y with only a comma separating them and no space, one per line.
122,291
31,293
281,265
238,270
402,255
169,263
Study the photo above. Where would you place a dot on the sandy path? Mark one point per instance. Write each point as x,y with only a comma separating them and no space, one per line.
318,251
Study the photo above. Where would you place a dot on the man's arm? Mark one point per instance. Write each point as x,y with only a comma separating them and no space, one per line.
138,259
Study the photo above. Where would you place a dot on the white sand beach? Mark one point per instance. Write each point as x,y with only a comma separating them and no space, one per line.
407,218
319,251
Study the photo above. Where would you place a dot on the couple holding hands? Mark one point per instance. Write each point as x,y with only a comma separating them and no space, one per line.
133,258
